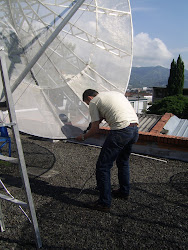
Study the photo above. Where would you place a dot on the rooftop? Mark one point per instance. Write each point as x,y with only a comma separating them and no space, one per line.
177,127
62,178
162,136
158,141
147,122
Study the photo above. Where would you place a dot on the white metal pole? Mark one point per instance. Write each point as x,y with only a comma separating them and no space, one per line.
22,164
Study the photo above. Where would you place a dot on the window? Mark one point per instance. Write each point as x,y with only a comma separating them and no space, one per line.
132,103
145,105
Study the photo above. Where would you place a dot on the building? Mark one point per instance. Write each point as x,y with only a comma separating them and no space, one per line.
139,104
163,136
161,92
140,100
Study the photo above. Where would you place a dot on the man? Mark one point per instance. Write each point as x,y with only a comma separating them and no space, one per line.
122,119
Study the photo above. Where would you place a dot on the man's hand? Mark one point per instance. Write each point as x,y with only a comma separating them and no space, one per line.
80,138
93,130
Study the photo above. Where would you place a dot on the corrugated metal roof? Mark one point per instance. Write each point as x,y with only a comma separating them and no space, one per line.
174,126
147,122
177,127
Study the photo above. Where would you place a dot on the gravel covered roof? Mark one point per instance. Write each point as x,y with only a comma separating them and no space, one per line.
62,179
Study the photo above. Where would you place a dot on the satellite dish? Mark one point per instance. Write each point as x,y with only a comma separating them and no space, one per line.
92,50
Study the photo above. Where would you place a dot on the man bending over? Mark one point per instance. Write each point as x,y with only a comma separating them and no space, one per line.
117,111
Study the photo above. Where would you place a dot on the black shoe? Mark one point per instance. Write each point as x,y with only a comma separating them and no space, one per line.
119,195
96,205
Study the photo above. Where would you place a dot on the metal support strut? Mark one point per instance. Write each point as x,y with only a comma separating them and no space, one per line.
76,6
21,160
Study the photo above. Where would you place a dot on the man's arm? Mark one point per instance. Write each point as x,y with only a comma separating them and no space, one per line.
93,130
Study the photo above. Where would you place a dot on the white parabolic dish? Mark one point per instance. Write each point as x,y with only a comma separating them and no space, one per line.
93,50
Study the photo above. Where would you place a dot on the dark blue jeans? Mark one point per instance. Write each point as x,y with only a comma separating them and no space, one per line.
117,147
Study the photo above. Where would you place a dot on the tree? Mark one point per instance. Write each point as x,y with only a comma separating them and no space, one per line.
176,78
180,76
178,105
175,102
171,87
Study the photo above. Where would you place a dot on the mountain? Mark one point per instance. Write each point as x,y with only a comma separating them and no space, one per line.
152,77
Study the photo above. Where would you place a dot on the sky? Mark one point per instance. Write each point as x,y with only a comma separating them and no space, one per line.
160,32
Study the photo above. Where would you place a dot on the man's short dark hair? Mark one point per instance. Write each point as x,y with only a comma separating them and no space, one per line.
89,92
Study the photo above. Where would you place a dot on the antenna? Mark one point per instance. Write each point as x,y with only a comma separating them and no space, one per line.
59,50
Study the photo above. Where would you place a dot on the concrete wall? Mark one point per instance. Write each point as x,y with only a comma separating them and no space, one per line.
162,147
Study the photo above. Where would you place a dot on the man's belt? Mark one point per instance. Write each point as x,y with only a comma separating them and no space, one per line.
133,125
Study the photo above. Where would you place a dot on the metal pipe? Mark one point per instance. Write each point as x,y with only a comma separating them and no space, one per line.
47,43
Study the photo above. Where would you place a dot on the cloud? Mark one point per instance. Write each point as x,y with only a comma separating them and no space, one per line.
150,52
